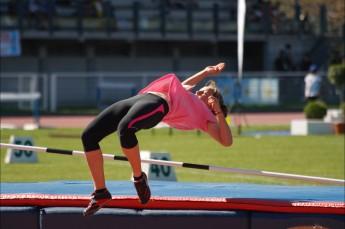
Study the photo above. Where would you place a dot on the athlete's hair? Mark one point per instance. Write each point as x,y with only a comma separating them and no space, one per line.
218,95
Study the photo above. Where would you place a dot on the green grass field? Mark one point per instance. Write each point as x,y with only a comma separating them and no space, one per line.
311,155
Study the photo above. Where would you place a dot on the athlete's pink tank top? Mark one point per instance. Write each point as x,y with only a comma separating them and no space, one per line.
186,110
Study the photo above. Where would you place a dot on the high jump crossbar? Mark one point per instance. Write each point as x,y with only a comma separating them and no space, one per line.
183,164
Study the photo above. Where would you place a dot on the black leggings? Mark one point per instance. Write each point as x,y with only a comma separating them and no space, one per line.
126,117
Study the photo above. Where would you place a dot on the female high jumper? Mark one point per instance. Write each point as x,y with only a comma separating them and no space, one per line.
164,100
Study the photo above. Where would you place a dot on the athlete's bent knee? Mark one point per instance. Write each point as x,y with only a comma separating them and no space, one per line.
127,136
90,141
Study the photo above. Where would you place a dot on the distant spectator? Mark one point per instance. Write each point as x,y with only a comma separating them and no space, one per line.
305,63
279,62
312,84
256,14
275,14
289,57
305,23
284,61
98,4
38,13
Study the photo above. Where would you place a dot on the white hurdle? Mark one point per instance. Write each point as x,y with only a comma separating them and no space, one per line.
323,180
33,97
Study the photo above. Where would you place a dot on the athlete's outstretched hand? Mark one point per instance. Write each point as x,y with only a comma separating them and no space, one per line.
199,76
213,104
214,70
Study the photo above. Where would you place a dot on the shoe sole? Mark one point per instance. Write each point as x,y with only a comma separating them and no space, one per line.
100,205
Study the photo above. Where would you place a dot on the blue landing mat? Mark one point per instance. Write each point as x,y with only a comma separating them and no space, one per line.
184,189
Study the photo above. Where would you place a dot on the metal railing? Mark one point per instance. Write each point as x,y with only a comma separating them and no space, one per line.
76,90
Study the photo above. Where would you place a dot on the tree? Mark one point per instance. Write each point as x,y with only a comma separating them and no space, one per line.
336,75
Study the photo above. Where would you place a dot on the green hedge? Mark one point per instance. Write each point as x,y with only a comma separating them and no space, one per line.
315,110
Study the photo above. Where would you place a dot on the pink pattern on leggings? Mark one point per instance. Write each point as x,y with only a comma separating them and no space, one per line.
158,109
